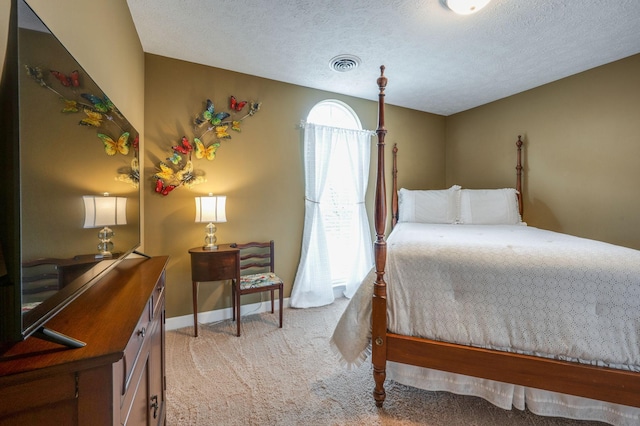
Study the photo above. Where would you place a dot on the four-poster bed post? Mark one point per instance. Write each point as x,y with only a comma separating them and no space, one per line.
519,175
379,306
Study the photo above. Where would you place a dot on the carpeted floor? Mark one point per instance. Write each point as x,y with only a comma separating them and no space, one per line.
290,376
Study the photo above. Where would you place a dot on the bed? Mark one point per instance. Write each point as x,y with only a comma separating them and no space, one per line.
582,362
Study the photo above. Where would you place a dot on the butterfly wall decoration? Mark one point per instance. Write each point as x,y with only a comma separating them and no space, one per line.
112,147
184,148
71,80
130,175
235,105
209,115
208,152
93,118
113,129
212,126
210,123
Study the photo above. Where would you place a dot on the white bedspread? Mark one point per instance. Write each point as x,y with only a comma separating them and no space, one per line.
539,292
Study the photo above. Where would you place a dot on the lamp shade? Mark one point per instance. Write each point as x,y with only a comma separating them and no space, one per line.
466,7
104,211
211,208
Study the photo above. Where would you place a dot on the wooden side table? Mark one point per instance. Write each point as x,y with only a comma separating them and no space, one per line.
213,265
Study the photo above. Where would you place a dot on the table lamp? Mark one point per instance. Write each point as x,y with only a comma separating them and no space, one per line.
104,211
211,209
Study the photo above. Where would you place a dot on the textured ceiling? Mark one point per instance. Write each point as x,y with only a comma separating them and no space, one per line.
436,61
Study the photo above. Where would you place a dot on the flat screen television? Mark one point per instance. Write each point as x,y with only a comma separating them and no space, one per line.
62,141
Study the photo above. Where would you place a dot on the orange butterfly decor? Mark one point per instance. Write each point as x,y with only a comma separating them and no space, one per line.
235,105
71,80
136,143
184,148
163,189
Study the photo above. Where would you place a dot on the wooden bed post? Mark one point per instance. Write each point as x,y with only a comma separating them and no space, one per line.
519,175
394,190
379,302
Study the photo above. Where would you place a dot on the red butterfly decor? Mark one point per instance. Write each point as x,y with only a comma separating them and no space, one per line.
162,189
185,148
72,79
235,105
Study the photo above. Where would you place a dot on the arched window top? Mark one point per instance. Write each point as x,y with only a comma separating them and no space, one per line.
334,113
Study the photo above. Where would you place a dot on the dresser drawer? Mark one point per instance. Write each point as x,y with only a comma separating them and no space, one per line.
158,293
132,351
32,398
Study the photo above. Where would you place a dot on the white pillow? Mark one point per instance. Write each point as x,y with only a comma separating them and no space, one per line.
489,207
428,206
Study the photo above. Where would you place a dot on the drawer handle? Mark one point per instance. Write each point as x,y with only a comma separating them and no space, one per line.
154,405
142,332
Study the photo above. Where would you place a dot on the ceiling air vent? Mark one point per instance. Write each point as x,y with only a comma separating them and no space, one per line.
344,63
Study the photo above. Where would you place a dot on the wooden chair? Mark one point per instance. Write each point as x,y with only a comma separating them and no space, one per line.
256,276
42,277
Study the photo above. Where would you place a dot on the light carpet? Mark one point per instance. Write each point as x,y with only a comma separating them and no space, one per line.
290,376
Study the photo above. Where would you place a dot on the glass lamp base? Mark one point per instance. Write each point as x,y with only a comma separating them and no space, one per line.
106,245
210,239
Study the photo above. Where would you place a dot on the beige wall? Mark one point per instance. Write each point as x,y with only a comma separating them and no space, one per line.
260,170
582,143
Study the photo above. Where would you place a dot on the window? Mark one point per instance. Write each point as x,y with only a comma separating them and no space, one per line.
340,194
334,114
336,246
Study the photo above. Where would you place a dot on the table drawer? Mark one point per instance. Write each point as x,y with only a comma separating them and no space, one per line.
214,266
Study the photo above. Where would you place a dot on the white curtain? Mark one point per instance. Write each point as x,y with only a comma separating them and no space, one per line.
359,147
313,285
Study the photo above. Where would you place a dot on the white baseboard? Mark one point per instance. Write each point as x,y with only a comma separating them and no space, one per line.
175,323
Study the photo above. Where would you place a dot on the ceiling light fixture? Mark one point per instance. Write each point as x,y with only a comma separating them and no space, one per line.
466,7
344,63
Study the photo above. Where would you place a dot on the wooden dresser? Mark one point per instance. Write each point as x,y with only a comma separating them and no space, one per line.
117,378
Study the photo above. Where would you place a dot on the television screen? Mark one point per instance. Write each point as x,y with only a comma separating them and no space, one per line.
75,209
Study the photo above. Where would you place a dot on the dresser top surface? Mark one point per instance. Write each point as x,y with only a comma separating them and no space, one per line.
104,317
